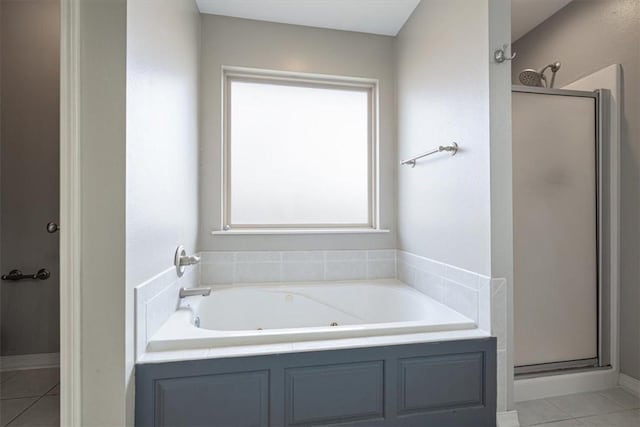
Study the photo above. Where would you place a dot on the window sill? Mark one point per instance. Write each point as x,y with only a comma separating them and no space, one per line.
290,231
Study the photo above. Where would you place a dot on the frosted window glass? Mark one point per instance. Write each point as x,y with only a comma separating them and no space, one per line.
299,155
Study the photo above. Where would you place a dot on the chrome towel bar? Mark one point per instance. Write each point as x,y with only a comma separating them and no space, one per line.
451,148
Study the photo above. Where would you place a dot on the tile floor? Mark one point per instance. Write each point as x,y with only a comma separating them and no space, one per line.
30,398
609,408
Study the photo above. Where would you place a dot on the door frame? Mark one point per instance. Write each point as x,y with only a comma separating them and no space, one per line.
70,219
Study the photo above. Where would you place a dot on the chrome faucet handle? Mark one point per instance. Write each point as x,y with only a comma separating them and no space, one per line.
189,259
181,260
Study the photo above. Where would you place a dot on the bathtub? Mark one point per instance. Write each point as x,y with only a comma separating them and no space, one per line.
283,313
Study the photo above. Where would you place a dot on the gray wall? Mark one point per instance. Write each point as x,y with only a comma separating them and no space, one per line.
301,49
587,36
29,173
444,210
163,41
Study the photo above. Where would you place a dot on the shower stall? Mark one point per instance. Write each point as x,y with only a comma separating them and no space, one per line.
558,257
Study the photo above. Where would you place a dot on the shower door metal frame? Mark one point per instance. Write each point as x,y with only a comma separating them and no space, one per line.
603,358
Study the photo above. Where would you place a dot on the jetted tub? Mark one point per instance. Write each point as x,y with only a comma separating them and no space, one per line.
281,313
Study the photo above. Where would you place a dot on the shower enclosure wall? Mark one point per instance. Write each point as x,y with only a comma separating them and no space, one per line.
558,268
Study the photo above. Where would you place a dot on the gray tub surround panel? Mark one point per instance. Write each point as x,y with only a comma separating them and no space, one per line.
220,267
156,300
428,384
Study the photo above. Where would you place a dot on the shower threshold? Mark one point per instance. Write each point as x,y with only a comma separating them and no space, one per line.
556,368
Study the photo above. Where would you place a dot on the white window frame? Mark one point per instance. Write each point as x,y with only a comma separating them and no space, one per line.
369,86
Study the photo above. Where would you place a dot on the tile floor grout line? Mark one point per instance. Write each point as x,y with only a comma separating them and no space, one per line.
23,411
583,417
601,393
30,406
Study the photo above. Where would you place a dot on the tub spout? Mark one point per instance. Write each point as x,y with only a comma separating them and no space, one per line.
189,292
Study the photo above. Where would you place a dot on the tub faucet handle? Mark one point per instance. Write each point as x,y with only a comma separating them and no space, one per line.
182,260
189,259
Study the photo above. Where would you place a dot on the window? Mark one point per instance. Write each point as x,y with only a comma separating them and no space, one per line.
299,152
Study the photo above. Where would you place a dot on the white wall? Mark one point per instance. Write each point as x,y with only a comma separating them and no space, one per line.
163,42
501,198
443,96
102,64
241,42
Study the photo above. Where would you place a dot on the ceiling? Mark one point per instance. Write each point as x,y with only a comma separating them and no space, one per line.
384,17
528,14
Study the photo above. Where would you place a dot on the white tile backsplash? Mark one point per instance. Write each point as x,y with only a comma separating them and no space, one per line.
455,287
381,269
461,298
430,284
304,271
499,311
155,300
254,272
296,266
345,270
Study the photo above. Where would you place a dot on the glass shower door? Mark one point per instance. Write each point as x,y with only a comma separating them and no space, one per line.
555,195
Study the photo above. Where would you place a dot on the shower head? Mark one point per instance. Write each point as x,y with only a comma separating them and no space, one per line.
554,69
531,77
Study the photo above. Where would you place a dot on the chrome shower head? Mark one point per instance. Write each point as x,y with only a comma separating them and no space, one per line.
554,69
531,77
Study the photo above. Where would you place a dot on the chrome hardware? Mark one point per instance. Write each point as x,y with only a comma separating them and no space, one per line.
189,260
15,275
500,55
453,149
196,322
190,292
181,260
52,227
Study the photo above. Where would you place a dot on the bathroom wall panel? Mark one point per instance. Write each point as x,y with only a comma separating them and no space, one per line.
444,210
162,112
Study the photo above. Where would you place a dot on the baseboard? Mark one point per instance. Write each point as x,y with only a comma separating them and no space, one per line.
569,383
630,384
29,361
507,419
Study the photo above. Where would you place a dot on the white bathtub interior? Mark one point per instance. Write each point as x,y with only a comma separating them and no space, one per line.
294,312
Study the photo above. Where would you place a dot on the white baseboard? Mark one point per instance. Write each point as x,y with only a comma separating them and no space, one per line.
558,385
630,384
507,419
29,361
